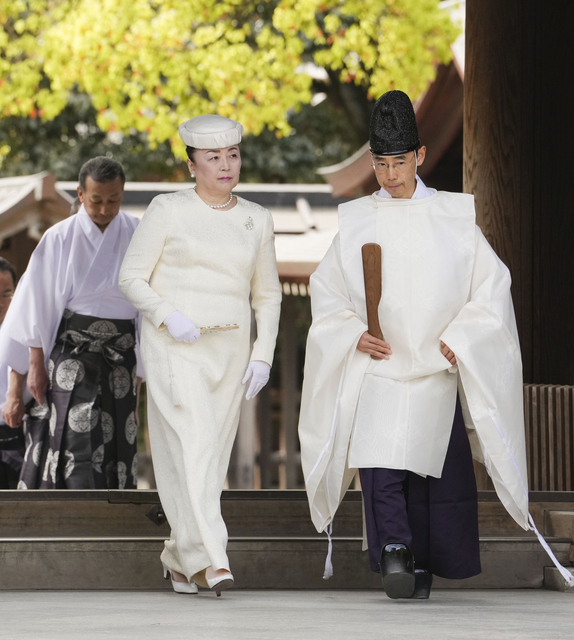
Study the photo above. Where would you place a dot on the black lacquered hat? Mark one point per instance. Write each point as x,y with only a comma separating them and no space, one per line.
393,125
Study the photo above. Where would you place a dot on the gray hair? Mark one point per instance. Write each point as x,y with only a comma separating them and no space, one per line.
101,169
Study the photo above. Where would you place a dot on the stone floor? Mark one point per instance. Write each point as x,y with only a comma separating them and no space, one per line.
285,615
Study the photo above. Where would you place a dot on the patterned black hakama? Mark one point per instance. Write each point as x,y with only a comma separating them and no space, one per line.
84,437
11,456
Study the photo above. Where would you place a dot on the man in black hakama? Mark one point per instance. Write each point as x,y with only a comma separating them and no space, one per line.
80,332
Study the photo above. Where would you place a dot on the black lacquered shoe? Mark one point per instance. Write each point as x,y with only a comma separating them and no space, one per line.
397,570
423,584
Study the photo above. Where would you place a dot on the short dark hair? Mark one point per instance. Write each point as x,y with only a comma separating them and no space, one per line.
190,152
101,169
6,266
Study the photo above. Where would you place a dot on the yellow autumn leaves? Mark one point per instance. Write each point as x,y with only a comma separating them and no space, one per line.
149,64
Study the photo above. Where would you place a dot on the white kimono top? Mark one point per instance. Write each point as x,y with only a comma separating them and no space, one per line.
75,266
441,281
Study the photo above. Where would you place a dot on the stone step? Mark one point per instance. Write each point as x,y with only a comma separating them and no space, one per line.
113,514
68,563
104,540
554,581
559,522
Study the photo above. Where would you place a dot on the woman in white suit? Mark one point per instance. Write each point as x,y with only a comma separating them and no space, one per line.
193,262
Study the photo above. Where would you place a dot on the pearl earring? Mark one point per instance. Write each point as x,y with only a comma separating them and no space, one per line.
192,175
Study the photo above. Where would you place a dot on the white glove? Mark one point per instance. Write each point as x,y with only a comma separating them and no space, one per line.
258,371
181,328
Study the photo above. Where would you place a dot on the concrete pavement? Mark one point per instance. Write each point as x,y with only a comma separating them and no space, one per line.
285,615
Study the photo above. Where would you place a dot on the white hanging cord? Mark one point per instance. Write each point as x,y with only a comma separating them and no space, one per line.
329,560
566,574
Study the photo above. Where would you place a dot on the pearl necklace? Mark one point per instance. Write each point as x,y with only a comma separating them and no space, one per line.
219,206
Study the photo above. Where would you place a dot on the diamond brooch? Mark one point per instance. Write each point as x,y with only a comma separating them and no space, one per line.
248,224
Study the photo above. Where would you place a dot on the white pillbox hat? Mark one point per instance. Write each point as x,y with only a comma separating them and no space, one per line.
210,132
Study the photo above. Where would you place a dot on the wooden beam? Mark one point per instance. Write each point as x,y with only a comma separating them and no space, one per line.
289,390
518,136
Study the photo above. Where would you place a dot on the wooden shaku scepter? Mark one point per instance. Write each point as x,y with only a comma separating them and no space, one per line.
373,274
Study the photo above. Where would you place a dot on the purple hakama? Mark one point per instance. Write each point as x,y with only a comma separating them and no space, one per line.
436,517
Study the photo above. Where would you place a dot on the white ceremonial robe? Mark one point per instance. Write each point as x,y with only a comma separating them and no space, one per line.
75,266
441,281
406,406
204,263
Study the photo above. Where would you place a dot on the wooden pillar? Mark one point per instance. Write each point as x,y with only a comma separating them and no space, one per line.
289,390
265,423
244,448
518,149
241,471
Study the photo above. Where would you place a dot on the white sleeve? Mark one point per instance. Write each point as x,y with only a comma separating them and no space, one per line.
266,296
141,258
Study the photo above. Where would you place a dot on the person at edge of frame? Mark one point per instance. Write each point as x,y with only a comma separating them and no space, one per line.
11,439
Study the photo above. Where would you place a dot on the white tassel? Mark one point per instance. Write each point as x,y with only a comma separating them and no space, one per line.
175,397
567,575
329,560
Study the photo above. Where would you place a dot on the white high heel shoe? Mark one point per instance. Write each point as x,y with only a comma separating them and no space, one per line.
220,583
179,587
